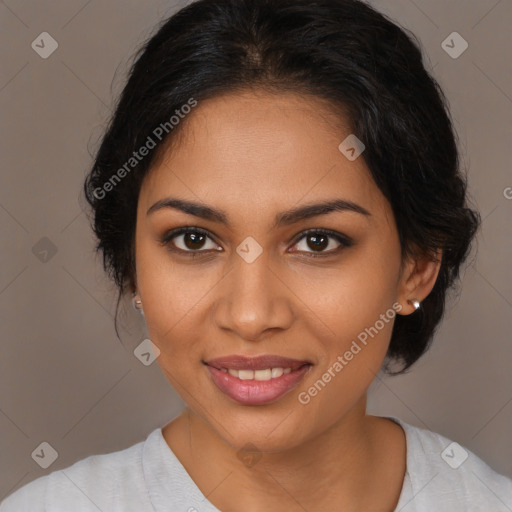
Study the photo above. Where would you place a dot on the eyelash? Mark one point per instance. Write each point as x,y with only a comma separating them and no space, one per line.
343,240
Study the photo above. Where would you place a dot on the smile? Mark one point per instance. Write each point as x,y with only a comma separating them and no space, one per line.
257,387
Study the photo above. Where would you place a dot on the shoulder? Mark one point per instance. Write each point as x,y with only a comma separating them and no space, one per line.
98,482
443,475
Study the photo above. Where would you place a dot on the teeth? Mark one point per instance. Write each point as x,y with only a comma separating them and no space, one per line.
277,372
263,374
267,374
245,374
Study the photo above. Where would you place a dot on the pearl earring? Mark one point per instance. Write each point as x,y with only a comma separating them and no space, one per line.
415,303
137,303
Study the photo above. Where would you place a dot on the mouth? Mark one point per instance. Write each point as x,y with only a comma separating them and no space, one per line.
258,380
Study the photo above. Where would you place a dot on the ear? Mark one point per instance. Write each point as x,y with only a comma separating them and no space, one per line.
418,277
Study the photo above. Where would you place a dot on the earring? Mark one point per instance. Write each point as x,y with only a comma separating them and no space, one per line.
137,303
415,303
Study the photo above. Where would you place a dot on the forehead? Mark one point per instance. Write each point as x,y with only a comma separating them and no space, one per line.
255,151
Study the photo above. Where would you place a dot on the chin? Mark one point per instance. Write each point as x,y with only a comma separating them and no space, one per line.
267,434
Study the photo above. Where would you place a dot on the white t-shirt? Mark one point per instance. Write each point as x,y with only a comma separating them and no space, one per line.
147,477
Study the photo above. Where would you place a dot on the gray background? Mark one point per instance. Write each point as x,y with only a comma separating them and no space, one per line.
64,376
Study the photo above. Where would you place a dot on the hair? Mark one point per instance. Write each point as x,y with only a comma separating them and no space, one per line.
341,51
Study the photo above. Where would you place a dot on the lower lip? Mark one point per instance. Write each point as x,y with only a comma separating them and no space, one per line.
256,392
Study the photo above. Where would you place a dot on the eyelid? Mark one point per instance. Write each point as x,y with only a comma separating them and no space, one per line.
170,235
342,239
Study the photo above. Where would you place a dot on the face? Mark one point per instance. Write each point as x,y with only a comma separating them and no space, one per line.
252,281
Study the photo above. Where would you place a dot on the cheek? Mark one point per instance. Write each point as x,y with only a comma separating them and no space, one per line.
171,288
355,295
352,356
171,296
356,305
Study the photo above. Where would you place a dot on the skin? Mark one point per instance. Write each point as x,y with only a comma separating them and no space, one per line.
253,155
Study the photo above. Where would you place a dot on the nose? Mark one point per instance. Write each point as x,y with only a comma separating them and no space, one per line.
253,300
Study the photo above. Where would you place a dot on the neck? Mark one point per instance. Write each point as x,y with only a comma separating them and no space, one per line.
347,459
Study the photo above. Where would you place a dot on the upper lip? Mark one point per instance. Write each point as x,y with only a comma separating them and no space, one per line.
239,362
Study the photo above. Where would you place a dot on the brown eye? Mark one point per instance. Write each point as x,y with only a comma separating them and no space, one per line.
193,241
322,242
319,242
189,240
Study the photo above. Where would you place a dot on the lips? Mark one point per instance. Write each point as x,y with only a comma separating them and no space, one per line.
238,362
255,391
266,378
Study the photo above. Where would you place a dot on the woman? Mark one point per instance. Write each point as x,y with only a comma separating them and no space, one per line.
279,189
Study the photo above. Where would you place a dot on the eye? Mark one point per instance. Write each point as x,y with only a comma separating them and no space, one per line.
188,240
320,240
192,242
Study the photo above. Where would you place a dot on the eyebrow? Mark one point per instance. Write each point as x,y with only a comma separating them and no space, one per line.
282,219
